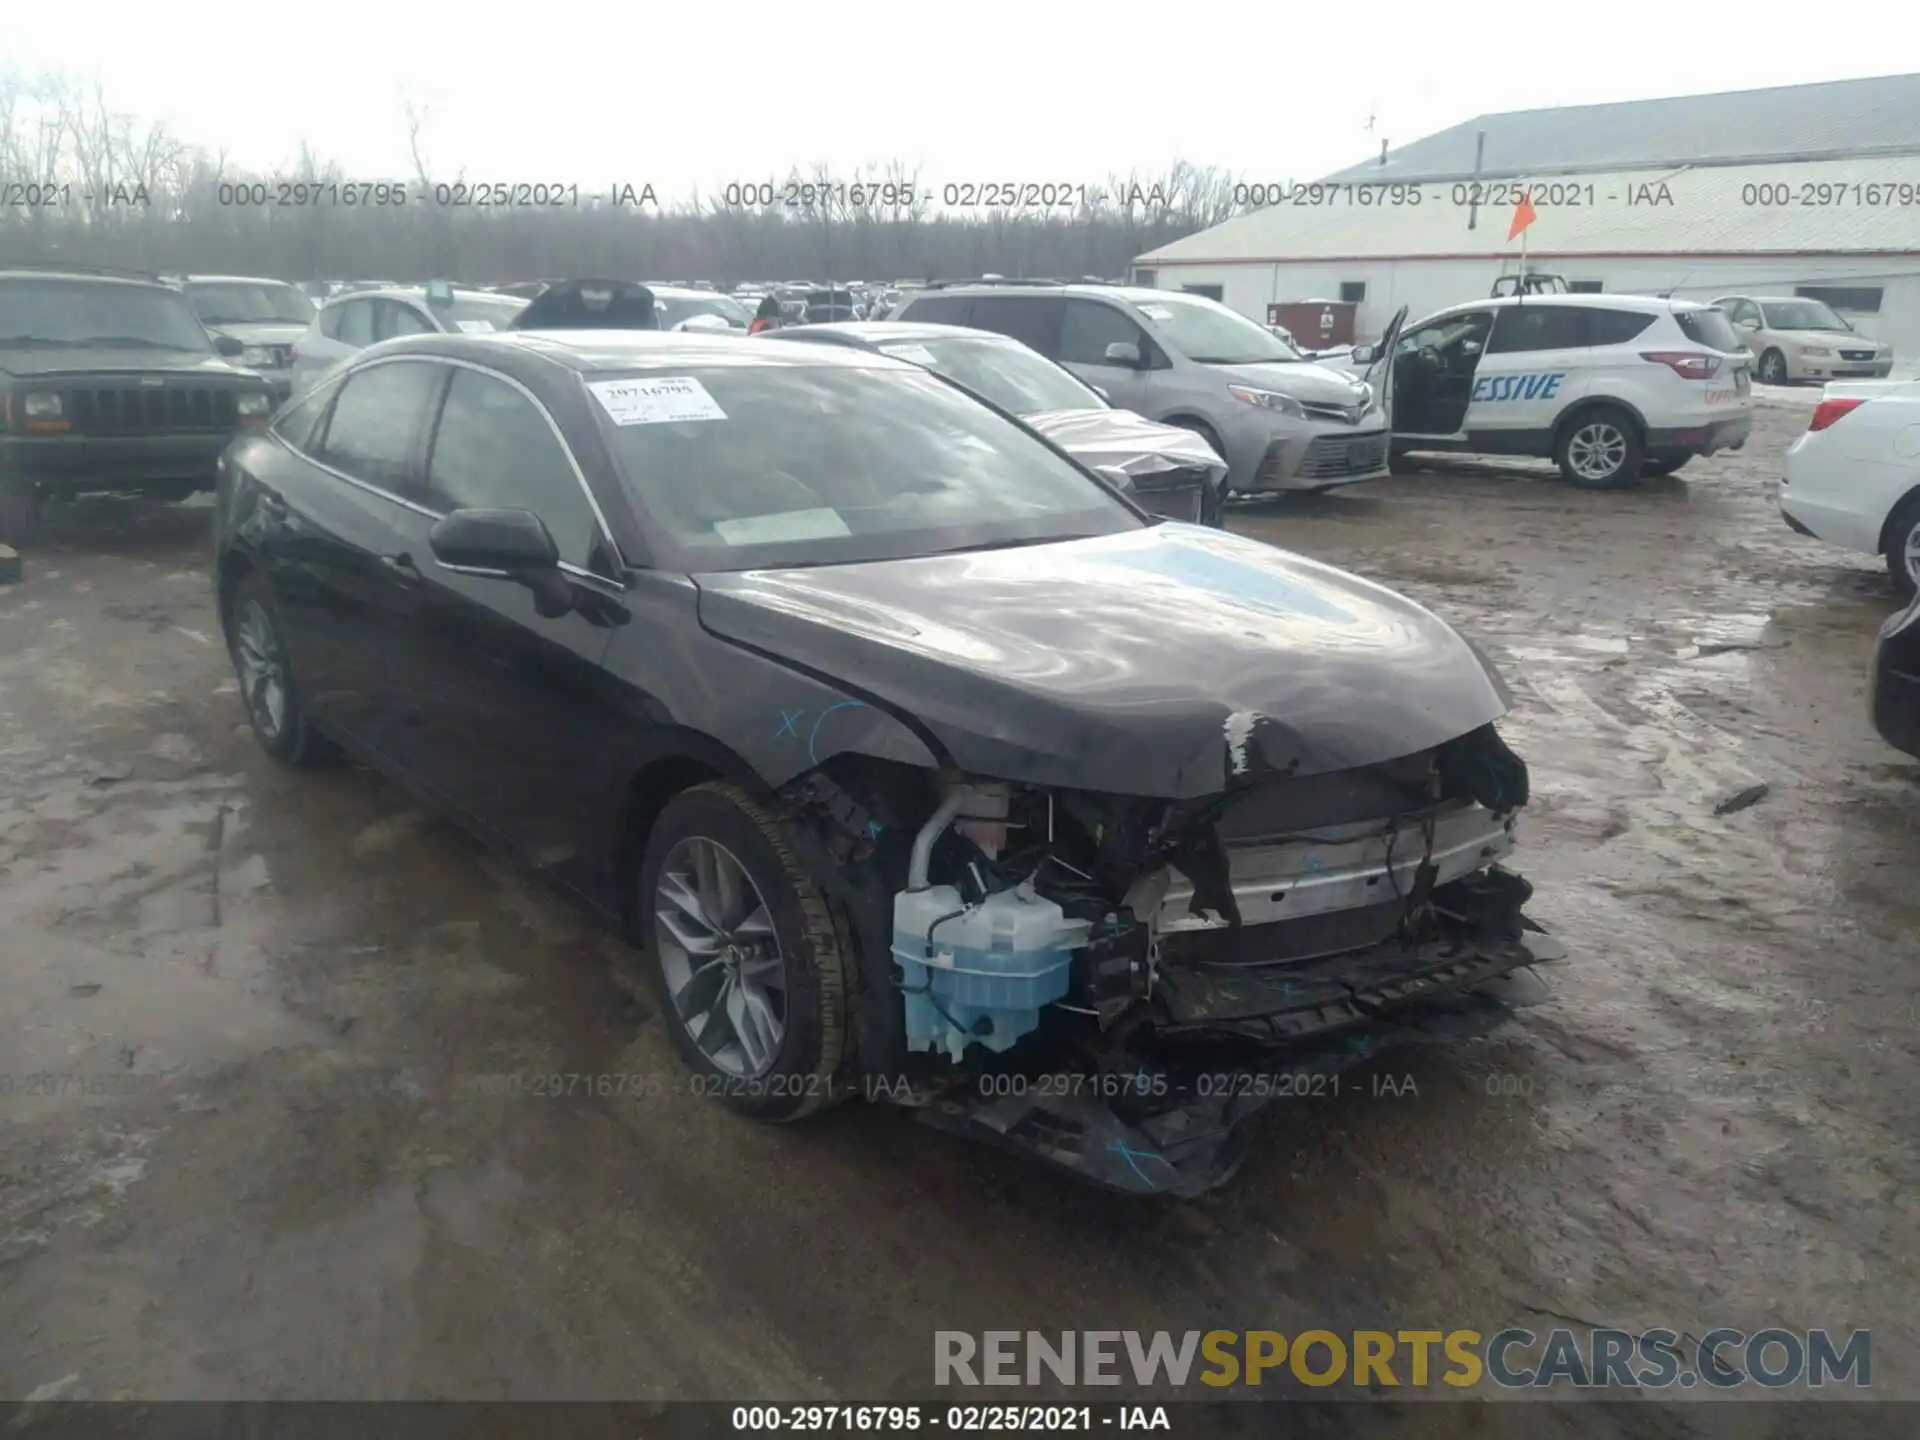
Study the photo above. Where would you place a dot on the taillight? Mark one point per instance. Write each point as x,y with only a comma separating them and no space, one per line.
1687,364
1828,411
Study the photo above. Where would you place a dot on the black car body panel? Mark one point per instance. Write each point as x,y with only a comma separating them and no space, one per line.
1138,664
1894,693
1165,693
589,305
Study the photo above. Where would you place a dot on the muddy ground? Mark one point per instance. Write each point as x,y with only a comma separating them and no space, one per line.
268,1166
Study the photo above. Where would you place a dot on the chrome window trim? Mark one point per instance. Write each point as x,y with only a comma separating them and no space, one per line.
606,531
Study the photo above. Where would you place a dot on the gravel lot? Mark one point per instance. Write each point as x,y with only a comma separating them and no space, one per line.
271,1171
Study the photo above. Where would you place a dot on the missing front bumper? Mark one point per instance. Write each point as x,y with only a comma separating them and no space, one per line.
1179,1128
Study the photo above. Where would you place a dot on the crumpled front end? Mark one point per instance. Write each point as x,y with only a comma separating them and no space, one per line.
1117,984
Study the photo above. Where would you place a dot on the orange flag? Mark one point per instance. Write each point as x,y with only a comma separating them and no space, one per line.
1523,215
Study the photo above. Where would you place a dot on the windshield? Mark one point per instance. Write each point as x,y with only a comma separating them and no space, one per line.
829,464
1211,334
229,302
1004,372
1802,315
477,314
83,312
683,307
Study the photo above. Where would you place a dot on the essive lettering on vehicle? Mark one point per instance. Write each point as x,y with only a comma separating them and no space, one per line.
1538,386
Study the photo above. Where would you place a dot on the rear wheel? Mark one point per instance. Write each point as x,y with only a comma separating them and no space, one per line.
753,977
1600,449
267,686
20,512
1903,548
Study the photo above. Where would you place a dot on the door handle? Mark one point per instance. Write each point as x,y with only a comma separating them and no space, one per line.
402,566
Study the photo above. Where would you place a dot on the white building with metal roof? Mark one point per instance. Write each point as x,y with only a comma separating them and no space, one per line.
1809,190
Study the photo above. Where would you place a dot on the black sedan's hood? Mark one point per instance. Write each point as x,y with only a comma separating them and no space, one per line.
55,360
1164,662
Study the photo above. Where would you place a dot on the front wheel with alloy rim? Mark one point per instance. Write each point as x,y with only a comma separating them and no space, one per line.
267,687
753,976
1600,450
1903,548
1773,368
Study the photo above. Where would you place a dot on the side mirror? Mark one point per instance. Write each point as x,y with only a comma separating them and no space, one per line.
1748,325
231,348
505,545
1362,355
1123,352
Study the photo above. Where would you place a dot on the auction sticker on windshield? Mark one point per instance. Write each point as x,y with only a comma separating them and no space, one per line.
665,401
475,327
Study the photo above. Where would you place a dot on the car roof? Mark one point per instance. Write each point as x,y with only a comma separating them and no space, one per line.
236,280
593,352
1769,299
878,332
688,292
418,292
1640,304
36,273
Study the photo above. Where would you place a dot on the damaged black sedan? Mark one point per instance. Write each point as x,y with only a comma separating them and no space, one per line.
920,764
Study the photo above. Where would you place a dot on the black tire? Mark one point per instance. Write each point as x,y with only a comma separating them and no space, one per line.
20,512
1604,431
290,739
1903,548
1662,467
1771,369
806,1071
1400,462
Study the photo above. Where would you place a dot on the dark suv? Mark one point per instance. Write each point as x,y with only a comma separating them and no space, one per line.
110,383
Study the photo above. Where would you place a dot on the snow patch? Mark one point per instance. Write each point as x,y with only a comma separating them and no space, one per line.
1239,730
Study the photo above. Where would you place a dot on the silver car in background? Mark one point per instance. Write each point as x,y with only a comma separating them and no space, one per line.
350,322
266,317
1165,470
1280,421
1796,338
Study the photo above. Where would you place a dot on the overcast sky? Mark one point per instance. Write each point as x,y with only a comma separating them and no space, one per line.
679,96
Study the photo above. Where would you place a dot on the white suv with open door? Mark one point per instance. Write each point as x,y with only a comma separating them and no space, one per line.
1611,387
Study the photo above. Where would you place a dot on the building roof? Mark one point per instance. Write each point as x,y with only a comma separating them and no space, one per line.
1879,116
1832,207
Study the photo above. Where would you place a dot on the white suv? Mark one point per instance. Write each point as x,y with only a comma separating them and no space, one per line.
1611,387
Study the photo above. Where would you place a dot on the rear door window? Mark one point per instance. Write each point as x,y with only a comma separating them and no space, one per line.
354,324
1033,320
376,421
939,309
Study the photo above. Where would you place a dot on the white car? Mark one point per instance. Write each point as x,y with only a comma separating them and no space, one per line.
1854,478
1611,387
350,322
1797,338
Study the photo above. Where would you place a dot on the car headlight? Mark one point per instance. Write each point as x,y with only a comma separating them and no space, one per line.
42,406
1819,350
258,357
255,404
1268,400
